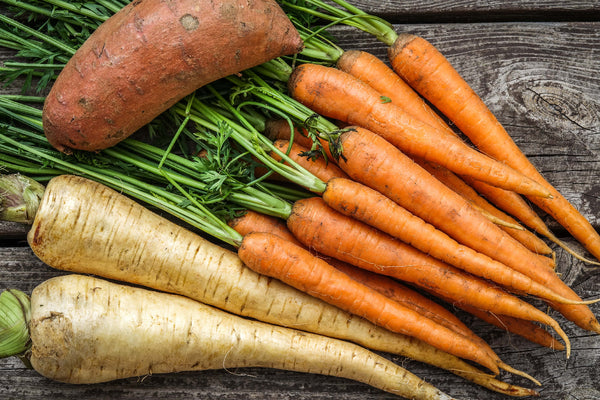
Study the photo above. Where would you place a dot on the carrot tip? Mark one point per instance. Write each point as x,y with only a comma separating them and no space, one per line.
571,251
563,300
588,302
565,338
512,370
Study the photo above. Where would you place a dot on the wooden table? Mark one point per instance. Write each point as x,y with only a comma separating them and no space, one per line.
536,64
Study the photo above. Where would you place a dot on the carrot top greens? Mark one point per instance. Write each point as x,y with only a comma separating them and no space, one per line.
346,14
204,191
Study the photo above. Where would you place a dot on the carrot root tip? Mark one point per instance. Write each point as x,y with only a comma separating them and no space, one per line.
514,371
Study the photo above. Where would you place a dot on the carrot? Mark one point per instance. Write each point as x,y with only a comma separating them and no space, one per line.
83,226
151,54
515,205
455,183
336,94
252,221
377,74
421,304
515,280
410,186
318,166
524,328
376,251
373,71
257,222
280,129
273,256
347,196
359,202
521,327
420,64
87,330
396,291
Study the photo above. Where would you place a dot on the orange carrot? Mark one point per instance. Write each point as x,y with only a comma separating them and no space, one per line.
348,198
516,206
396,291
319,167
409,185
280,129
462,258
521,327
373,71
252,221
336,94
257,222
455,183
524,328
421,304
420,64
273,256
349,240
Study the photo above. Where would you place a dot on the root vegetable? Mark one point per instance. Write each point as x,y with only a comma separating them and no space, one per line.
336,94
420,64
152,53
383,254
83,226
87,330
273,256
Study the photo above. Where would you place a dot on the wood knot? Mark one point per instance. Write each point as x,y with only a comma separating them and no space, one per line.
560,105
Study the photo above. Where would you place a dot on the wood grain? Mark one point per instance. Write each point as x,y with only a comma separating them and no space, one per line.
400,11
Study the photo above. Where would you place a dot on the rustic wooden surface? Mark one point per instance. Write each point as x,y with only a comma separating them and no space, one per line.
535,63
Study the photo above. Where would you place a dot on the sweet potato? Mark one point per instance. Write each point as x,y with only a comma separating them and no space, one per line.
152,53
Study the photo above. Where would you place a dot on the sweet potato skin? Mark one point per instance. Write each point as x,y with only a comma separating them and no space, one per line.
151,54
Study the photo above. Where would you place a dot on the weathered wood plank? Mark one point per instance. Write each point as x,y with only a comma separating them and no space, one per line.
10,231
400,11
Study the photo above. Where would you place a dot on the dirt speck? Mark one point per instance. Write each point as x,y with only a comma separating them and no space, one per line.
189,22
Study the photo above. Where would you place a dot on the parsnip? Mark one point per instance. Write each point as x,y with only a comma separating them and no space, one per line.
87,330
83,226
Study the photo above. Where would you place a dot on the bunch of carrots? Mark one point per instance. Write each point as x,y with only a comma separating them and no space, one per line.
396,203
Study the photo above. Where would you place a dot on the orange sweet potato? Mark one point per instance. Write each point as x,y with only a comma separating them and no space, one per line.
151,54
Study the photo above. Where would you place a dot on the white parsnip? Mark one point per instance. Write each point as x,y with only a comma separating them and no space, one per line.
85,227
88,330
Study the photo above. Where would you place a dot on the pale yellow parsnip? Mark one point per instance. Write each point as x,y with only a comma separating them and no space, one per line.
89,330
85,227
